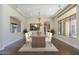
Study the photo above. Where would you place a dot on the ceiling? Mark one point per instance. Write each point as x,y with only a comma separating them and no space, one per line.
39,10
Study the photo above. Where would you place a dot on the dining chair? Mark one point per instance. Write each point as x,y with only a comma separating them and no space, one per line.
48,37
47,33
28,39
30,34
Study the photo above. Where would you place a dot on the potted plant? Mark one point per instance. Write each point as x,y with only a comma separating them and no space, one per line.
25,31
53,31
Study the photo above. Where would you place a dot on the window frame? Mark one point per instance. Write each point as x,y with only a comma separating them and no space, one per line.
60,27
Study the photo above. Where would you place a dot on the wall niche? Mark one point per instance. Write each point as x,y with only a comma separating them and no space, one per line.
15,25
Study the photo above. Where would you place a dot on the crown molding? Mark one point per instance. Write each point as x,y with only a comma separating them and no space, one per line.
61,12
18,10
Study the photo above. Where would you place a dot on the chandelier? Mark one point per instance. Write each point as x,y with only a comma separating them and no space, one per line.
39,18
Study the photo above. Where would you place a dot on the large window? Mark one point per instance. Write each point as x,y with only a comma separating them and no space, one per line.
68,26
73,29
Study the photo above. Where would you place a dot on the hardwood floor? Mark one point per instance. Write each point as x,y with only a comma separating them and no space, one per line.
64,49
13,48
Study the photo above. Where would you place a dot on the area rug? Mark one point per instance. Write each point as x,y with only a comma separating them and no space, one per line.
28,47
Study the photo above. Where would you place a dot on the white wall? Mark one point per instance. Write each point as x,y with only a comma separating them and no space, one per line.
8,37
55,24
52,24
78,21
34,20
1,47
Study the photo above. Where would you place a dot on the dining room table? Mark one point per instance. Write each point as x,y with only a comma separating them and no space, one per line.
38,40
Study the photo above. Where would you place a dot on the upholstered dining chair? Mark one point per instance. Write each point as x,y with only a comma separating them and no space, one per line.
48,37
28,39
29,33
